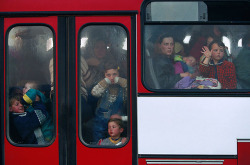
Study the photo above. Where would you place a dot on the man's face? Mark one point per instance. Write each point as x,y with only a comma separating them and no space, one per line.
167,46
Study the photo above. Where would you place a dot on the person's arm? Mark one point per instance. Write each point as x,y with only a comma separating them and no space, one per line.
204,64
165,74
207,53
121,81
27,122
99,89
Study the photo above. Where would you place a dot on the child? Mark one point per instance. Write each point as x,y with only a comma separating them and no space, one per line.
112,94
214,65
31,94
115,129
28,124
33,85
187,64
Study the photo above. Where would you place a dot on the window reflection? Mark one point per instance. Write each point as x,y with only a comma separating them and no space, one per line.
30,48
190,63
103,84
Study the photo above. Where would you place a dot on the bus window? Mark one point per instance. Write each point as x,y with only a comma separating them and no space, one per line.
29,51
170,11
103,85
196,57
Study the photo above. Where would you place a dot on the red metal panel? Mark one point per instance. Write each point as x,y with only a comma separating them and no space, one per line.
243,153
73,5
111,156
30,155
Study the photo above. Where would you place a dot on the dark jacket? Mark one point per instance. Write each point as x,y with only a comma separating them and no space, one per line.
165,72
27,123
242,66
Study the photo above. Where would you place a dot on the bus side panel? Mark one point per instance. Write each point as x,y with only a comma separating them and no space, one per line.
243,153
24,155
145,161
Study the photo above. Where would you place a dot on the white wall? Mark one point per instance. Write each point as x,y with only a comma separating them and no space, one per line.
192,125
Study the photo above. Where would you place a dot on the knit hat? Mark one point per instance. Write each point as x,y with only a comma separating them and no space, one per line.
178,47
30,96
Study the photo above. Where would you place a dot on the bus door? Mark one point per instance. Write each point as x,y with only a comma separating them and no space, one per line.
106,89
30,135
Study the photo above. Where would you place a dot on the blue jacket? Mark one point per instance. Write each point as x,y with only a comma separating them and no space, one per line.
28,124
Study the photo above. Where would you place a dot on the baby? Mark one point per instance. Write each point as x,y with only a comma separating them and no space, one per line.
184,64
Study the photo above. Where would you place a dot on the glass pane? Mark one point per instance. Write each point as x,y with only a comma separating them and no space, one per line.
29,51
103,81
197,57
170,11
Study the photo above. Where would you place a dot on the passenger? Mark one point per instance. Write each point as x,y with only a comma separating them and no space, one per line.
31,95
242,64
115,129
28,123
112,94
15,91
34,85
179,49
163,63
214,65
203,38
95,63
188,64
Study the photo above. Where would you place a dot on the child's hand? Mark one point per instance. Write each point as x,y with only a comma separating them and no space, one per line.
121,81
107,80
186,74
206,52
116,80
124,140
37,98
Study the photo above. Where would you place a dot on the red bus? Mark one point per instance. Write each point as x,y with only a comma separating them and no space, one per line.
125,82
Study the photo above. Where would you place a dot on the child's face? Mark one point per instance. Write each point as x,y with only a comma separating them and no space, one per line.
114,130
190,61
111,74
26,87
217,52
16,107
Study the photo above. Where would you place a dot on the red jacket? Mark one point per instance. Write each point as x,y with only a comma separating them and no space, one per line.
225,73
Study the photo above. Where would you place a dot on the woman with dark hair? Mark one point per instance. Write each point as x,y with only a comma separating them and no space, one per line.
163,63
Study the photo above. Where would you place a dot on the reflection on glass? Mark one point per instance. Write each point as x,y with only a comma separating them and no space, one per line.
196,57
29,51
170,11
103,85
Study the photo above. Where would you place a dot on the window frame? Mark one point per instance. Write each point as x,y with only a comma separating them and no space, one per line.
185,92
53,101
79,84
